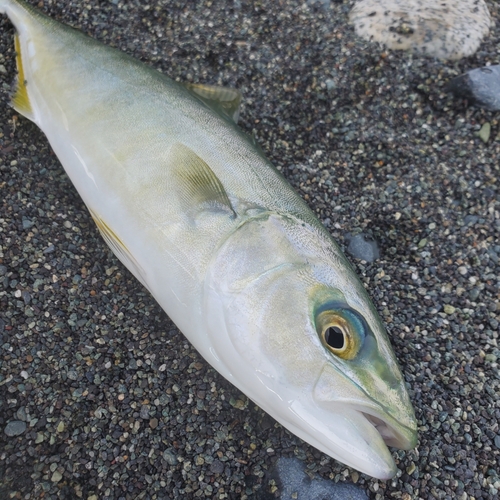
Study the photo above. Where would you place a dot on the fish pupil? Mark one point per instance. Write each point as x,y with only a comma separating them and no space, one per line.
334,337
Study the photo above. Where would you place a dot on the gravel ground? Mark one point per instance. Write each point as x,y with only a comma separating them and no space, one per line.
101,396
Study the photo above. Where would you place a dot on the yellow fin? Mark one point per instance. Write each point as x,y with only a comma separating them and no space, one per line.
198,186
223,100
119,248
20,99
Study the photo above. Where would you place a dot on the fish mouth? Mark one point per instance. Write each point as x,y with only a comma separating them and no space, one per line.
392,432
358,428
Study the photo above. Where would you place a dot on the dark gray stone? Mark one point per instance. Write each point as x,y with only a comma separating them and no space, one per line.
294,484
170,456
27,223
481,86
362,247
497,441
144,412
217,467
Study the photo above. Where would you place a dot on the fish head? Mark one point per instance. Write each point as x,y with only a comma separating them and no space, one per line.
293,328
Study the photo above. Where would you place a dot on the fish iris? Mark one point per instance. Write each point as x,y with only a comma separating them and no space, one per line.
341,331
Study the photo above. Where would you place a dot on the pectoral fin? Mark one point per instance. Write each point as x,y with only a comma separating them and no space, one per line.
198,188
222,100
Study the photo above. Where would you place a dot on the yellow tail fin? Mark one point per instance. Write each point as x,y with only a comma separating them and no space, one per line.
20,99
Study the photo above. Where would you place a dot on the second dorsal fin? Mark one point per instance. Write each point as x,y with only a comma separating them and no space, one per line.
222,100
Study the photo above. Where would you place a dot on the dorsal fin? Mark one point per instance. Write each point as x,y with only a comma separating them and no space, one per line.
223,100
198,186
20,99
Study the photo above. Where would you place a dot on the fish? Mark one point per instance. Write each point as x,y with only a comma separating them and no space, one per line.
188,202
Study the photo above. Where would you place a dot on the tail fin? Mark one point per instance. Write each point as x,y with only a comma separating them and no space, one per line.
16,10
20,99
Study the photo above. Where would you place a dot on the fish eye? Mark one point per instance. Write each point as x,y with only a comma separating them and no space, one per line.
341,332
334,337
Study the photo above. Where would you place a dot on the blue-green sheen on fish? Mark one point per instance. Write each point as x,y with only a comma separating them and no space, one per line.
234,256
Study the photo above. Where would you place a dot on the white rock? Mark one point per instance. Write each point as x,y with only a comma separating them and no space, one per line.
446,29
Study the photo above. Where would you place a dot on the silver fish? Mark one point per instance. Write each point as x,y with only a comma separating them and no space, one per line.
234,256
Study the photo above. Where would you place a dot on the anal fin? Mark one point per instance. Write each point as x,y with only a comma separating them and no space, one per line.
119,248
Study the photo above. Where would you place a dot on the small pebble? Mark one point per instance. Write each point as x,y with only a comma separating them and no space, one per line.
56,477
217,467
449,309
27,224
170,457
485,132
144,412
15,428
21,414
